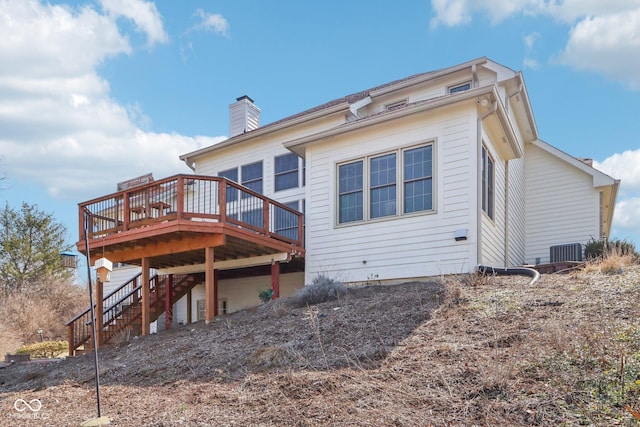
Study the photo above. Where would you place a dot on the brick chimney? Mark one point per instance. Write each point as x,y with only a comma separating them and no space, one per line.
244,116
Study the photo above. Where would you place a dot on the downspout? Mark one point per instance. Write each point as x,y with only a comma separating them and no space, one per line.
506,213
492,110
514,271
506,184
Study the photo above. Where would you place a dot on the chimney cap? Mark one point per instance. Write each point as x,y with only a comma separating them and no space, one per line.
245,97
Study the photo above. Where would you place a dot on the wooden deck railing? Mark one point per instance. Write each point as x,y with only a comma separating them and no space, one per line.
190,197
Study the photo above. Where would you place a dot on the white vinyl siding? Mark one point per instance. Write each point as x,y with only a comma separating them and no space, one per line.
402,246
516,214
562,205
238,293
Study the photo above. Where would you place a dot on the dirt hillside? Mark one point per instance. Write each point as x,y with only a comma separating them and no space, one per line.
461,352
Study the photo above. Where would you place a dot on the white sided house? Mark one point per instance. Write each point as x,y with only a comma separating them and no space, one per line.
432,174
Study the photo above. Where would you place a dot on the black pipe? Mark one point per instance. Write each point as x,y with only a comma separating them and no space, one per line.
512,271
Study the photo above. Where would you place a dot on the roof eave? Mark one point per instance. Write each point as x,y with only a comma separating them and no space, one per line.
428,76
297,145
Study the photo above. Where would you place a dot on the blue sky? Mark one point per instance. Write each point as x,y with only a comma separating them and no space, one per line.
94,92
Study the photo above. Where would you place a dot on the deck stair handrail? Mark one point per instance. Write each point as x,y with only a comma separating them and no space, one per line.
191,197
122,307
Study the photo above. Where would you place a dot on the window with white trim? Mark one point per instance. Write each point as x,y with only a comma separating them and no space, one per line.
418,179
488,180
382,182
285,222
286,171
232,174
252,177
368,188
350,192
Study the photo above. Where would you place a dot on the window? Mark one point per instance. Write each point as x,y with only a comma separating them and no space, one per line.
459,88
200,308
252,177
413,168
488,187
201,304
232,174
350,194
286,171
285,222
418,179
253,217
382,183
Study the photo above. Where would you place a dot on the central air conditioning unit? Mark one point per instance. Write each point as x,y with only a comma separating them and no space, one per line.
567,252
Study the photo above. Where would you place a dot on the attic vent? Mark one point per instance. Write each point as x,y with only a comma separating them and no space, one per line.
459,88
568,252
395,105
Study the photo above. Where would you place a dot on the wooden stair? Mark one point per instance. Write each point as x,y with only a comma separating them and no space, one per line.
123,308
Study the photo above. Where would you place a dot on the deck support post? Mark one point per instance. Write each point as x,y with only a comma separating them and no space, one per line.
146,276
99,313
210,286
275,279
189,304
168,304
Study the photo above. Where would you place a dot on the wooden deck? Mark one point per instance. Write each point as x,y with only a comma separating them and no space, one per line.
187,225
171,221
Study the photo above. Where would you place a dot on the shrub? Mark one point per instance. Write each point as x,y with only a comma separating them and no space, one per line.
45,349
603,248
266,295
321,289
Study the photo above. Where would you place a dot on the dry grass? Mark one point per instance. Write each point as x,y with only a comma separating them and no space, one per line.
45,307
564,352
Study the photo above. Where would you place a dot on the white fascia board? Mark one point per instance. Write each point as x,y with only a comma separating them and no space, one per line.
263,130
510,134
600,179
524,93
230,264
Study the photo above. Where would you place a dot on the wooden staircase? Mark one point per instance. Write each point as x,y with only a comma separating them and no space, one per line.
123,308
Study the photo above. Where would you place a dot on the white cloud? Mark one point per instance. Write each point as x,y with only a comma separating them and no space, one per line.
458,12
211,22
531,39
625,167
60,128
608,44
144,14
573,10
626,214
604,36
